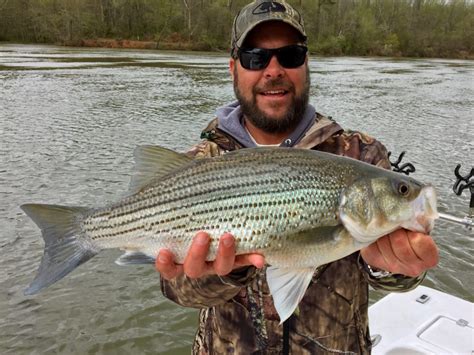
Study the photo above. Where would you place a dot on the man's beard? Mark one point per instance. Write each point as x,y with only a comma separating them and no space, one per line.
291,118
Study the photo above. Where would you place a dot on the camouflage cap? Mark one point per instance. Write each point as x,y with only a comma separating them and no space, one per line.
260,11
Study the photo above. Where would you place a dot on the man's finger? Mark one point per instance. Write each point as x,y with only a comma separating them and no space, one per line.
372,256
385,248
195,263
256,260
416,252
402,248
425,248
224,262
165,265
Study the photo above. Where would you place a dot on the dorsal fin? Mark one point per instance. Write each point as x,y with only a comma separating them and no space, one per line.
153,162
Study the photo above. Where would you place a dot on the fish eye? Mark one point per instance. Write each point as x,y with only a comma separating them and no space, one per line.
403,189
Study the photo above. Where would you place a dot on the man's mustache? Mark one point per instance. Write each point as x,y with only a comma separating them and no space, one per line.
272,84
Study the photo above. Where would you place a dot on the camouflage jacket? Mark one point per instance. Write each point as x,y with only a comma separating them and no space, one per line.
237,315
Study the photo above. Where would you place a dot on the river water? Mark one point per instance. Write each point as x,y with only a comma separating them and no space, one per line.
70,119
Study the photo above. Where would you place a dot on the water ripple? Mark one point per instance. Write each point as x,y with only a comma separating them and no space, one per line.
71,120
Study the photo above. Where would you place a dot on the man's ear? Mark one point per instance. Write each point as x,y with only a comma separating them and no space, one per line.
231,67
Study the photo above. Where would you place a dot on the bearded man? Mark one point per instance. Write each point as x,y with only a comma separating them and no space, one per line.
269,68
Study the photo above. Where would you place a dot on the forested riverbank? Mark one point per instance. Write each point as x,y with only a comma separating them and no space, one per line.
414,28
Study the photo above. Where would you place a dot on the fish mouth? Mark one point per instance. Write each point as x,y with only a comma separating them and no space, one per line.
425,209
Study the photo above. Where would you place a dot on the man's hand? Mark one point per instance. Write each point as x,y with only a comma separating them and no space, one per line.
402,252
195,264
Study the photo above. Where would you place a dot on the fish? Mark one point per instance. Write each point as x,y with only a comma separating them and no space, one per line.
299,208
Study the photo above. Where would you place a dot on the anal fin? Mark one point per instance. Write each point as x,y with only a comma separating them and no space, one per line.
288,287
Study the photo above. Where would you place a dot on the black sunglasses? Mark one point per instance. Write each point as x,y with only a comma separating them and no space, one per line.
289,57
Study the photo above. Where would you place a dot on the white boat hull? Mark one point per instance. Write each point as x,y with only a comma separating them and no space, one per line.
421,322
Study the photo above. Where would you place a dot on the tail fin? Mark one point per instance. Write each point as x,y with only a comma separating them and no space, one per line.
65,247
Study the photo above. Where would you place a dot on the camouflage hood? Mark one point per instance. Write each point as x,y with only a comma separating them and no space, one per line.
230,121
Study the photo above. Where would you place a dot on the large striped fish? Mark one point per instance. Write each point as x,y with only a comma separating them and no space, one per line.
299,208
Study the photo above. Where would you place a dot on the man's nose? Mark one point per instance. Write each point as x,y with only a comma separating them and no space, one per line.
274,69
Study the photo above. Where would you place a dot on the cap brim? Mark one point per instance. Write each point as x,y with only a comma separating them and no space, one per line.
242,38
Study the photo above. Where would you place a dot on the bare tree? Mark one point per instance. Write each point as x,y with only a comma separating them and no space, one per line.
187,7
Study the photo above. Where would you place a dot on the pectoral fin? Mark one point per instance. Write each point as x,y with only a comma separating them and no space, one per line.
134,258
288,287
